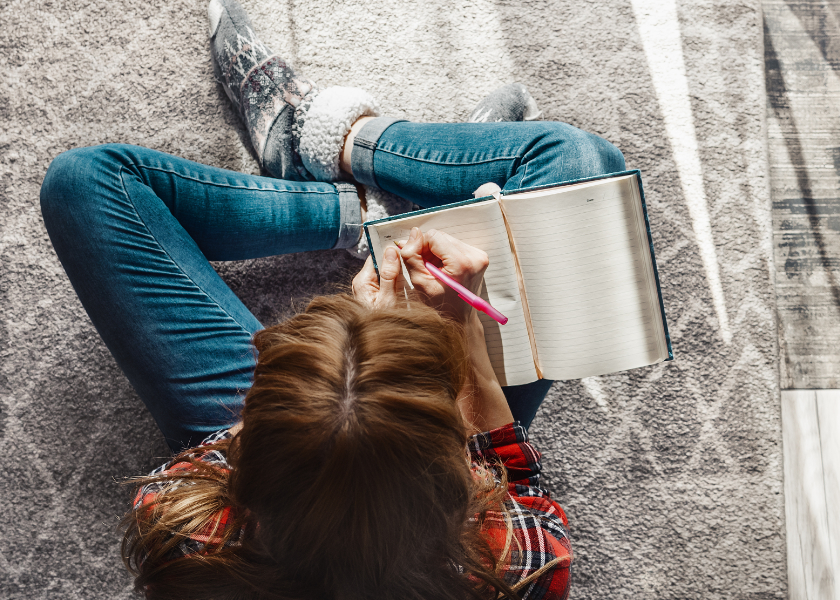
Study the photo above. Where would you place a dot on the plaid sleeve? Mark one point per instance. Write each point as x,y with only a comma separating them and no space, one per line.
197,541
212,457
540,527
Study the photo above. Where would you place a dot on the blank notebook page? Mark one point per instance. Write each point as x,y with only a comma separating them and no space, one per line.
587,278
480,225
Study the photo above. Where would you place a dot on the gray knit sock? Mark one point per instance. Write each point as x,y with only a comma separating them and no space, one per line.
296,129
510,102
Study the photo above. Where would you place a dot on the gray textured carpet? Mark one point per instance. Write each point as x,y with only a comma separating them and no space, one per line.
670,475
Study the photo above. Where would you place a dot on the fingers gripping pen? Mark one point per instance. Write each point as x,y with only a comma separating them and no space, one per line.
466,295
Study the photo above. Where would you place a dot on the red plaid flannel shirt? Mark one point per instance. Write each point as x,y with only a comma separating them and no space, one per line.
540,528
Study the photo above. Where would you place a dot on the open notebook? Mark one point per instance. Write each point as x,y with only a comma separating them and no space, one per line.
571,266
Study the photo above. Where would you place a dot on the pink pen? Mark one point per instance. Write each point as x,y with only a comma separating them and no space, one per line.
466,295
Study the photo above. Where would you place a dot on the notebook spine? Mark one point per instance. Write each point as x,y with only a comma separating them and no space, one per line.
638,175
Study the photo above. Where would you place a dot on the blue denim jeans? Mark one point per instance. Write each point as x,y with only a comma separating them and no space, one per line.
135,228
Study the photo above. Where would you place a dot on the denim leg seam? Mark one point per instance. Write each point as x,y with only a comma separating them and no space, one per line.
226,185
459,164
174,262
338,191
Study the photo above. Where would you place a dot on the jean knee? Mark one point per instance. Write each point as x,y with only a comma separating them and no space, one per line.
56,189
597,156
612,159
71,180
76,191
561,152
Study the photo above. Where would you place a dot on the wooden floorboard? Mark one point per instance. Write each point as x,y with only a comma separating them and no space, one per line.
811,438
828,415
802,63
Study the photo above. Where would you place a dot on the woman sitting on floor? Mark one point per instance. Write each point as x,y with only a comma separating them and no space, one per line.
374,454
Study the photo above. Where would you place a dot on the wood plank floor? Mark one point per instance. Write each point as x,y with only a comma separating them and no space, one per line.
802,64
811,437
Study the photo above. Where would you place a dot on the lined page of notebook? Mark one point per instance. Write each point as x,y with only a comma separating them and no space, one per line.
587,278
480,225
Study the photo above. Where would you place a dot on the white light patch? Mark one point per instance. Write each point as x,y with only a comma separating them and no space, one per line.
659,29
593,387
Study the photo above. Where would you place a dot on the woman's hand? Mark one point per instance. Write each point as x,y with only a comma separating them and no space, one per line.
482,402
378,292
462,262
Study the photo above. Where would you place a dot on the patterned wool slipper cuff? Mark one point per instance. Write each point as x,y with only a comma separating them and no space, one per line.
328,121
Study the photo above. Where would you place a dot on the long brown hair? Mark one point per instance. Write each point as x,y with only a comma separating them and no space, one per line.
350,477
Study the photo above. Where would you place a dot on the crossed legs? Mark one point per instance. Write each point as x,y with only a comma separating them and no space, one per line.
135,228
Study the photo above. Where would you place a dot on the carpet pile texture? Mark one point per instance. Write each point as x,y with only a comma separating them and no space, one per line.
671,475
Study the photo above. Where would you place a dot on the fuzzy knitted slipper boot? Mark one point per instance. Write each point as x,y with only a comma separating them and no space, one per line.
296,131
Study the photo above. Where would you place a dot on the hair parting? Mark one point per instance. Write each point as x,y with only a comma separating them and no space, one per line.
348,480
